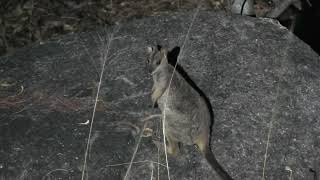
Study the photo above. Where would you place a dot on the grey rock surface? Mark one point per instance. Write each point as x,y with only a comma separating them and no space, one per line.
262,81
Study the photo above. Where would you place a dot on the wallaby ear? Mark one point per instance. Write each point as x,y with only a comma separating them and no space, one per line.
164,54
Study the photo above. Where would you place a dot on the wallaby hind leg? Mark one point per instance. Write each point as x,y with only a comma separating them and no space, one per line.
202,141
173,146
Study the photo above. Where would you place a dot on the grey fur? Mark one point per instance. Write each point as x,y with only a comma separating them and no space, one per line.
187,114
187,118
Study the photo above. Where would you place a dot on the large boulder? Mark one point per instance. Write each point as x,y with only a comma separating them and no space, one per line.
262,81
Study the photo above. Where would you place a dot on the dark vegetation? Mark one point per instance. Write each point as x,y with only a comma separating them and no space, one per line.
25,21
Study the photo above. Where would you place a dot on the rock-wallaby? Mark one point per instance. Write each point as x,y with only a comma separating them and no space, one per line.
187,116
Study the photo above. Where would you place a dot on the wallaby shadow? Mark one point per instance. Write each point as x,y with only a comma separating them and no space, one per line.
172,59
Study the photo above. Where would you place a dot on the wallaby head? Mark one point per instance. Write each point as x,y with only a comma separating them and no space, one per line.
156,56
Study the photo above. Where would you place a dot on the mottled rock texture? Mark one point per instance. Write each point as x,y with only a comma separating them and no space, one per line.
255,73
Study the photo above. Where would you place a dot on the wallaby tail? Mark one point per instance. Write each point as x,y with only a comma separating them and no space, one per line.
216,166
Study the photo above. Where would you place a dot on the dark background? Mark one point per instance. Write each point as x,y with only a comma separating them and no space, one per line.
25,21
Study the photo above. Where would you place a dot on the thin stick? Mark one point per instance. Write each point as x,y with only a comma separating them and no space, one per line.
166,100
309,3
135,162
150,117
65,170
158,158
269,134
152,167
159,164
134,154
94,109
